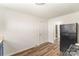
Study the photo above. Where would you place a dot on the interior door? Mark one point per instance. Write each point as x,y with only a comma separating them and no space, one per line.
43,30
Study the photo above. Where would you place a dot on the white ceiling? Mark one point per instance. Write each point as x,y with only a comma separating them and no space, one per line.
46,11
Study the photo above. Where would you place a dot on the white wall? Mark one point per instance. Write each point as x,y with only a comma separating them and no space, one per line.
70,18
2,23
21,31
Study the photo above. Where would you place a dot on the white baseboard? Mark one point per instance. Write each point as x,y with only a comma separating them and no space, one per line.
18,51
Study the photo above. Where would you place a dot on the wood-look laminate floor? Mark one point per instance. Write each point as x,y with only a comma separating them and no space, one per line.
45,49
